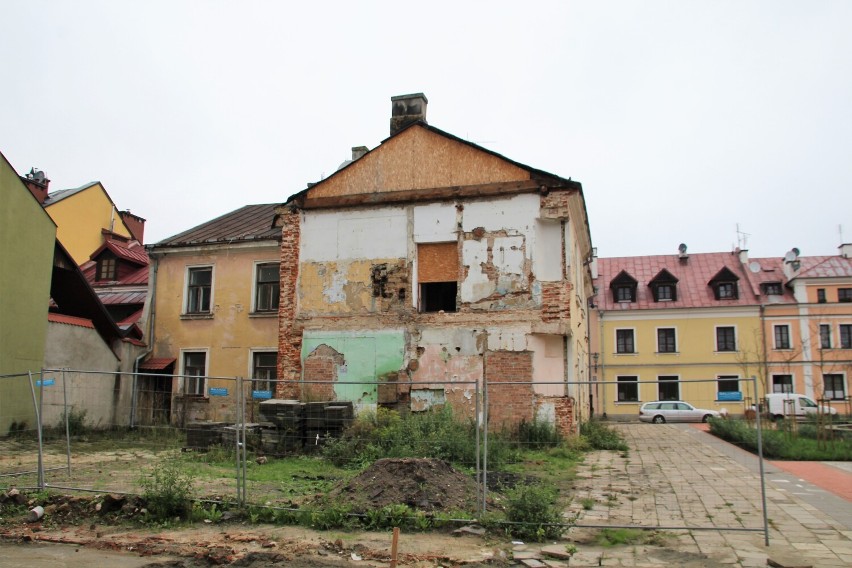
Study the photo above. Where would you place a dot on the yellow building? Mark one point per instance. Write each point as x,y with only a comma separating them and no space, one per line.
84,216
214,304
719,330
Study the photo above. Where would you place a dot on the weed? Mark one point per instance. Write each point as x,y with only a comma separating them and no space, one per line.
332,516
615,537
571,549
167,490
602,437
532,510
588,503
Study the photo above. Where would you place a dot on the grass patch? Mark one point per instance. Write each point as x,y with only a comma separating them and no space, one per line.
620,537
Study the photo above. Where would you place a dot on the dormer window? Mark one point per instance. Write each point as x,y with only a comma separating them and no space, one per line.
772,288
724,285
664,287
106,268
726,291
623,287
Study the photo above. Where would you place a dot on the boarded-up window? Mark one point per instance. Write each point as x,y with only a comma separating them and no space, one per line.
438,262
438,273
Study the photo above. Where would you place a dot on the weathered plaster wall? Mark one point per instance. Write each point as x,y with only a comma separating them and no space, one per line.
229,334
368,356
99,395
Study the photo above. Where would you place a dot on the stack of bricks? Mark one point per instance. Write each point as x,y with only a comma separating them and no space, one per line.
509,404
289,337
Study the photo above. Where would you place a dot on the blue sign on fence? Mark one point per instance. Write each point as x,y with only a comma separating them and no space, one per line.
218,391
736,395
45,382
261,394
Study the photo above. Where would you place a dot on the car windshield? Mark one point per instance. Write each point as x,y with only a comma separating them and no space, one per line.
807,403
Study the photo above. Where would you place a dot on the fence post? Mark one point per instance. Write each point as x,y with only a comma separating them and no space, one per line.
67,420
760,461
242,404
484,441
38,428
478,422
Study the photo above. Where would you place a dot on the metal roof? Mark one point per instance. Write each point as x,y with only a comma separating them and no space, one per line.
248,223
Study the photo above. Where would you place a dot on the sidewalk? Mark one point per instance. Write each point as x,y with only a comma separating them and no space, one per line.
676,476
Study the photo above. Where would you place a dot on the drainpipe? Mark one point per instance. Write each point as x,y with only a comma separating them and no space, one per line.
765,362
602,397
152,296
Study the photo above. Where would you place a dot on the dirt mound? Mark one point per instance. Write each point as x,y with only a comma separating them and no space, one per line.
422,484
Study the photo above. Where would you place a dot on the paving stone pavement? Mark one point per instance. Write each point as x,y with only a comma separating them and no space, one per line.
678,476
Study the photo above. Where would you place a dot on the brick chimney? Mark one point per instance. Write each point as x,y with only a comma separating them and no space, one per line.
136,225
37,183
358,152
406,109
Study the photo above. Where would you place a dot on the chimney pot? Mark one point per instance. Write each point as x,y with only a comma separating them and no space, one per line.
406,109
358,152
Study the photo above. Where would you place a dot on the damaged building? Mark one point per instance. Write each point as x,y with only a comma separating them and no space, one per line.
429,270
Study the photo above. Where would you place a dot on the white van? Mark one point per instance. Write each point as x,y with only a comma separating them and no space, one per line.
788,404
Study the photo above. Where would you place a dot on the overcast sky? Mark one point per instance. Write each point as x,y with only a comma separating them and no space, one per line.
683,120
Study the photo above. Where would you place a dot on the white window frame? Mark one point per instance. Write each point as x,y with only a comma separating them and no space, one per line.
187,272
716,338
775,337
255,351
182,373
615,341
728,378
254,283
634,382
657,339
677,381
792,382
843,381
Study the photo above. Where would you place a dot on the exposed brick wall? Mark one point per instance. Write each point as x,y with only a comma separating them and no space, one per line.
509,404
564,410
554,205
321,365
556,300
289,335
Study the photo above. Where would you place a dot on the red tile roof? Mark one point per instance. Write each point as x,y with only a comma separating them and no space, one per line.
70,320
132,251
156,364
693,274
825,267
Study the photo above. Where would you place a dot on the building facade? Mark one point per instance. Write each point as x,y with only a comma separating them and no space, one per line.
27,237
720,330
428,266
213,317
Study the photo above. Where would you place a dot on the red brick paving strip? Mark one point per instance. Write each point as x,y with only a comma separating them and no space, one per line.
823,476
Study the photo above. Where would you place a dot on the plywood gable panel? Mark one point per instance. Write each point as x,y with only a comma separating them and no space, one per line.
418,158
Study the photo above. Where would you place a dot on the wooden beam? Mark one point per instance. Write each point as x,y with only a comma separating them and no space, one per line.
428,194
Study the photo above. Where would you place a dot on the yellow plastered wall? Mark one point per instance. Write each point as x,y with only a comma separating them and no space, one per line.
231,333
696,358
80,219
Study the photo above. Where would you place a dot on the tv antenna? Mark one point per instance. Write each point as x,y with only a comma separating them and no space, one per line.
742,238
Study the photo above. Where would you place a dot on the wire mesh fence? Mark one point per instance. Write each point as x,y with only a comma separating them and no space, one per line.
105,432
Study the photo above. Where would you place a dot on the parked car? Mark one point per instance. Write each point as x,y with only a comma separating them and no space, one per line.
662,411
792,405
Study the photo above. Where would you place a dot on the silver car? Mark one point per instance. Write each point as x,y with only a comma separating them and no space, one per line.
660,412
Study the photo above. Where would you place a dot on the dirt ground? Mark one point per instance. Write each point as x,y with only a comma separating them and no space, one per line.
106,523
